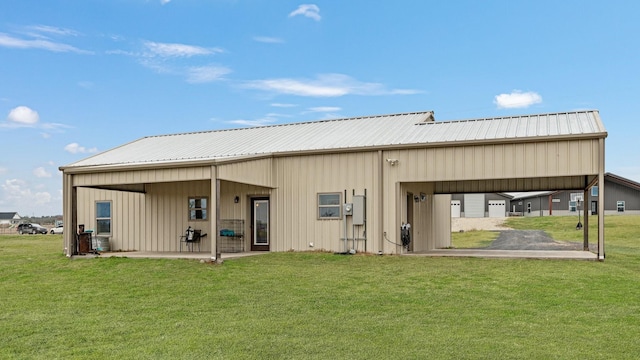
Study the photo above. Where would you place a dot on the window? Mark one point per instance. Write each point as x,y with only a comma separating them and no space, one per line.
198,208
329,205
620,206
594,191
103,217
573,206
528,208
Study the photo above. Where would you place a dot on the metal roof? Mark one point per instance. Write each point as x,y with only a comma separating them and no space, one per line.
342,134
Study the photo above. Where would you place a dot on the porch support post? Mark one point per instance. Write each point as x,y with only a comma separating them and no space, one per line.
215,216
601,203
70,214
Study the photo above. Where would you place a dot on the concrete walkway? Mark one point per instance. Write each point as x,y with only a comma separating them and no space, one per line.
510,254
206,256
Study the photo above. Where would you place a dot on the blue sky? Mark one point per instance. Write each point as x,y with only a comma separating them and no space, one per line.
80,77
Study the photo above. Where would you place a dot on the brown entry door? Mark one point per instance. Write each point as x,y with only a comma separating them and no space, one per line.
260,224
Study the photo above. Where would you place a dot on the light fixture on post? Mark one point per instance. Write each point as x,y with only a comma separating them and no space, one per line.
579,226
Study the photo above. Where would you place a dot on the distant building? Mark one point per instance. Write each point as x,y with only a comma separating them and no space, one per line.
622,196
480,205
9,218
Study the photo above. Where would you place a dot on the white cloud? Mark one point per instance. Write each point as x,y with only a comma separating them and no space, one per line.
17,43
23,116
3,170
324,109
75,148
41,31
178,50
517,99
203,74
256,122
309,10
40,172
268,39
325,85
268,119
163,2
17,192
281,105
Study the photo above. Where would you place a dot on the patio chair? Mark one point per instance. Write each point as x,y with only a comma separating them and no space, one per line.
190,238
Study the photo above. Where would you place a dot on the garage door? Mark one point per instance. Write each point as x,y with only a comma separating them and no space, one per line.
473,205
455,208
497,208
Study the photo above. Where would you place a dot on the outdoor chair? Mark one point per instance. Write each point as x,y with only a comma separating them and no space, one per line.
190,238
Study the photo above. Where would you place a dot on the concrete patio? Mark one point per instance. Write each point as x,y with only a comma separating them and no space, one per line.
171,255
510,254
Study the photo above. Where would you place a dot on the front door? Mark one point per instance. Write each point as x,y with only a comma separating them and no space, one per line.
594,208
260,224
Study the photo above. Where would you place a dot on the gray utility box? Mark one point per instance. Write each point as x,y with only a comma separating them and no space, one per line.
359,212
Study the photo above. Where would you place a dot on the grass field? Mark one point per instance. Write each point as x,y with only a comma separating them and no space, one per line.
321,306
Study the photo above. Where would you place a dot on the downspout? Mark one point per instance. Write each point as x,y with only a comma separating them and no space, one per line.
381,200
550,205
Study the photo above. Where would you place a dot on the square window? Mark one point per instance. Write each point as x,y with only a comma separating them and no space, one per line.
198,208
620,206
594,191
329,205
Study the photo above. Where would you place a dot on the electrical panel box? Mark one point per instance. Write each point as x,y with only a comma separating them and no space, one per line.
348,209
359,213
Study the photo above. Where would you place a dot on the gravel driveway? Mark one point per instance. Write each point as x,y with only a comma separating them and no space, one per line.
530,240
510,239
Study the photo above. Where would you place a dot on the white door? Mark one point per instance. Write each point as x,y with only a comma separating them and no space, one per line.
473,205
497,208
455,208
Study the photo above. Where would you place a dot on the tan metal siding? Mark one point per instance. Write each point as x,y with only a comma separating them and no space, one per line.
256,172
295,220
127,220
497,161
441,221
142,176
167,214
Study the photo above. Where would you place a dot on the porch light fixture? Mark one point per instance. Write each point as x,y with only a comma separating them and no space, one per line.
236,199
392,162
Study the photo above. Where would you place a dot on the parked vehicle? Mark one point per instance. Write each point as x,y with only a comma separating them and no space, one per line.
31,228
56,230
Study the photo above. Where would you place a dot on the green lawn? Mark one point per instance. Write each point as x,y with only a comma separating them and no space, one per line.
319,305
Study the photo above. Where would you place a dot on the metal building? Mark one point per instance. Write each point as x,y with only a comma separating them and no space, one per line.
335,185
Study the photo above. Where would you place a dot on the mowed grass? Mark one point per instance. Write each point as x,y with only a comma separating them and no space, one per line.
319,305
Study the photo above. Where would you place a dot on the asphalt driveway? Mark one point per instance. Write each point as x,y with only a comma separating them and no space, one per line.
530,240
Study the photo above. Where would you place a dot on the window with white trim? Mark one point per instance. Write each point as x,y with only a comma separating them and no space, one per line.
329,205
594,190
620,206
573,206
528,208
103,217
198,208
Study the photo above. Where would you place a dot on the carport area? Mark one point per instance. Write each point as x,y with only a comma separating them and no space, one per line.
513,244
